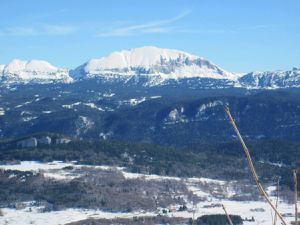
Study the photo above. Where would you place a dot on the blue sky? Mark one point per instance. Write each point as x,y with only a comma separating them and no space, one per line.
238,35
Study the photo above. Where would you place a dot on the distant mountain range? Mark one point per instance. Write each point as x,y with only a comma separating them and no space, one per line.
276,79
147,94
150,67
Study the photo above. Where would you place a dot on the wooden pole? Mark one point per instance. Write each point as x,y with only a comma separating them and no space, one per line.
228,217
296,196
252,168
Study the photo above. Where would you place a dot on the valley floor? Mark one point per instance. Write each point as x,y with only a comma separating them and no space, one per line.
202,196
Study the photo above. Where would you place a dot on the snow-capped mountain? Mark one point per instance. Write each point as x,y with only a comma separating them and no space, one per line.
271,80
33,71
157,64
148,66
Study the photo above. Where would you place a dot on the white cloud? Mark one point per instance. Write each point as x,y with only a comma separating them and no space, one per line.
38,30
158,26
19,31
59,30
157,30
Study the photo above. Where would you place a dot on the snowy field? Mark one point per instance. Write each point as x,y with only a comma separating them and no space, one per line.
31,214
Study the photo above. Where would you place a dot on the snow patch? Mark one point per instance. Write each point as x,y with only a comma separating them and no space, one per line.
135,101
208,105
47,112
29,118
91,105
2,112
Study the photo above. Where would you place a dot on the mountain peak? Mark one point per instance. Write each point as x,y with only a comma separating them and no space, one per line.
33,65
146,57
152,61
34,70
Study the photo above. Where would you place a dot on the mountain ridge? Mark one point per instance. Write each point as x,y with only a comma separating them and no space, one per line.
272,79
39,71
148,66
152,61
